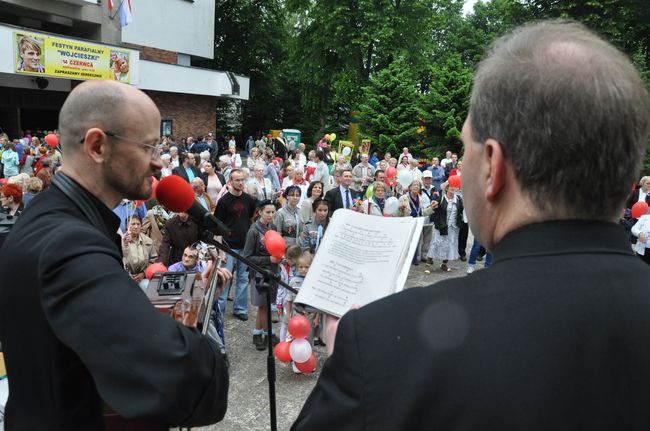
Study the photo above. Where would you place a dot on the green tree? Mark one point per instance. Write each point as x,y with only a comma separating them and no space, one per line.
391,112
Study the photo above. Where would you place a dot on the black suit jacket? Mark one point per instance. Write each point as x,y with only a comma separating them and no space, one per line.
634,198
554,336
75,329
333,196
180,171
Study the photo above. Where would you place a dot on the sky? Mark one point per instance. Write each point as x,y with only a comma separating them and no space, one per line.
469,6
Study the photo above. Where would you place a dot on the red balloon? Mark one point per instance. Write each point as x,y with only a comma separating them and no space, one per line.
454,181
153,268
275,244
52,140
3,181
639,209
299,327
309,366
391,172
281,351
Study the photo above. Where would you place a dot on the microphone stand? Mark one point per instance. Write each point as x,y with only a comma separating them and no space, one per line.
269,282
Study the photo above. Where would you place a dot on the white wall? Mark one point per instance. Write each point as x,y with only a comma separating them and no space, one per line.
190,80
174,25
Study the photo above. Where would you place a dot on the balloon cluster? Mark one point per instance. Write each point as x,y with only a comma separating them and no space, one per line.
298,349
331,137
275,244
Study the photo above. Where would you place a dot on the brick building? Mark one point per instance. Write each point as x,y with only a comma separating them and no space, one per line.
82,39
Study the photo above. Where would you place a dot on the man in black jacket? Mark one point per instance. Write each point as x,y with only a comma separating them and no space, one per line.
187,168
76,330
554,336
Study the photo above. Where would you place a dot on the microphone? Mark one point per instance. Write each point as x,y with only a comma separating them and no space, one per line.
177,195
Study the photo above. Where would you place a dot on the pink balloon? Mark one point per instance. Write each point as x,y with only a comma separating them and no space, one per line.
309,366
391,172
299,327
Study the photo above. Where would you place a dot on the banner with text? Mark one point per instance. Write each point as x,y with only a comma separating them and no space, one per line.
38,54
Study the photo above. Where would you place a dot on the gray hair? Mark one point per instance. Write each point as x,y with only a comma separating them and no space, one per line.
571,114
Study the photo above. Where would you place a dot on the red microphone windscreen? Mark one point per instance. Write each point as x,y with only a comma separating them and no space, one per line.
175,194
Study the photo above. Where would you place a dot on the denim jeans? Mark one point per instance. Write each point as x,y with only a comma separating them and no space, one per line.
240,279
474,253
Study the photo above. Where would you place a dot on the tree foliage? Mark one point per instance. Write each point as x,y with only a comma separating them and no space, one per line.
405,65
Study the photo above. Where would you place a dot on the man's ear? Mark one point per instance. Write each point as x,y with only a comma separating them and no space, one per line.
495,158
95,145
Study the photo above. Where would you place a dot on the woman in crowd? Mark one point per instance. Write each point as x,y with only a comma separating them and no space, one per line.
166,165
270,172
214,182
10,160
255,250
404,164
138,250
447,219
288,220
262,184
287,174
27,161
11,199
342,164
375,204
204,157
416,173
174,161
641,194
315,229
314,191
32,187
235,158
253,159
415,204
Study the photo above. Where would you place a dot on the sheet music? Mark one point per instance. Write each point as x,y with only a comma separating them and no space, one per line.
361,259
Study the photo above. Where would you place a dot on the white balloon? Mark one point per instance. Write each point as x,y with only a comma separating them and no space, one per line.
300,350
390,207
346,151
405,178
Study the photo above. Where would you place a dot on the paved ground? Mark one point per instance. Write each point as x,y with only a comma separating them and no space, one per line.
248,399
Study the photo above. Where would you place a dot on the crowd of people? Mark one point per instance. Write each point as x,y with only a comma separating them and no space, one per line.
502,342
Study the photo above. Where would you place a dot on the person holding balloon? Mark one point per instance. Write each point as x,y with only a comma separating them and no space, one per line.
259,241
288,219
447,219
138,250
641,230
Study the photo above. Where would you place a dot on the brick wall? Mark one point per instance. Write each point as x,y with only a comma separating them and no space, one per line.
192,115
154,54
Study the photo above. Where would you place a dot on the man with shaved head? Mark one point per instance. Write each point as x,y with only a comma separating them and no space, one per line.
76,331
553,336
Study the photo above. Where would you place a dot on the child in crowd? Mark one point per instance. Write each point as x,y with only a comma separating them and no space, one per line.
287,273
316,228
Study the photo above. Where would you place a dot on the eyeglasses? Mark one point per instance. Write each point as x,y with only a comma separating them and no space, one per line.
153,150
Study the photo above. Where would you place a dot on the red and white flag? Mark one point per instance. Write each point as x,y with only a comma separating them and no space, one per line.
126,13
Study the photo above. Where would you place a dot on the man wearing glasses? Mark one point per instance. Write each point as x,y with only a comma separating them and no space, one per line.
76,331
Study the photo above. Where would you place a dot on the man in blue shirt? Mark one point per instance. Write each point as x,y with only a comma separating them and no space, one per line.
189,262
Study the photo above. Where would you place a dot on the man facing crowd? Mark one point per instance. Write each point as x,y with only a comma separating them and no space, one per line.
554,335
76,330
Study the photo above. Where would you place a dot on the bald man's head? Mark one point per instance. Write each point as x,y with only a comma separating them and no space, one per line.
106,105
